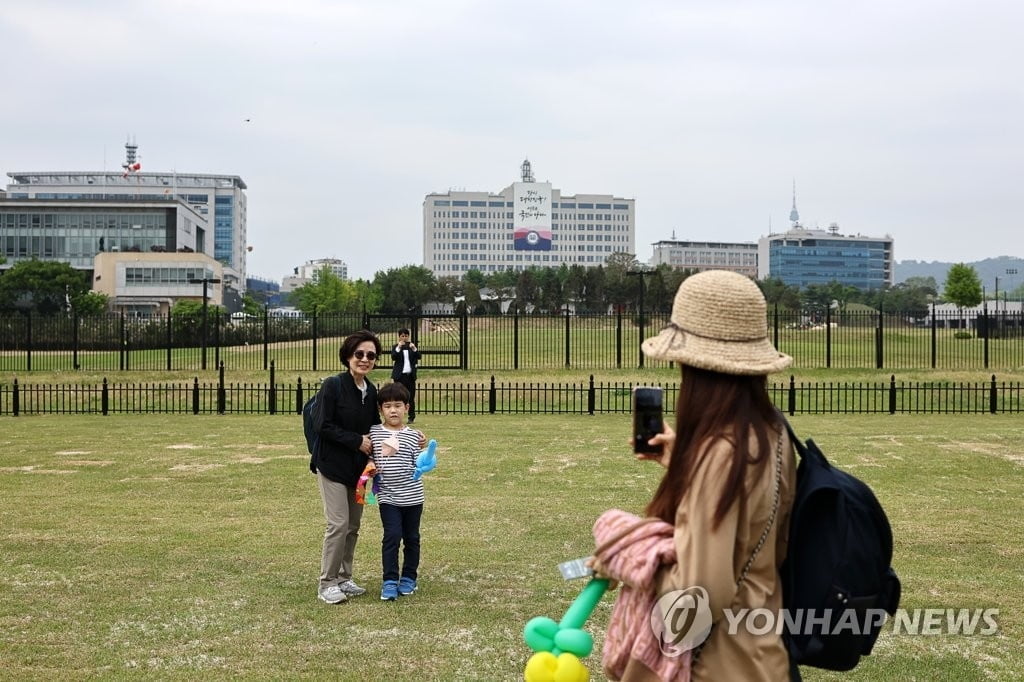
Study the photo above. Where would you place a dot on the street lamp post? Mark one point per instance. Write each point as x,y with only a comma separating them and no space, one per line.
640,274
205,281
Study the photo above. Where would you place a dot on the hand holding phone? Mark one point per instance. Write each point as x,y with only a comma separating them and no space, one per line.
647,417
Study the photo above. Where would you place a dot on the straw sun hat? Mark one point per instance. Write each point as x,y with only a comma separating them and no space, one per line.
719,323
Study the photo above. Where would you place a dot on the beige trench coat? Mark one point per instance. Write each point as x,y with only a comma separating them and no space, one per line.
714,560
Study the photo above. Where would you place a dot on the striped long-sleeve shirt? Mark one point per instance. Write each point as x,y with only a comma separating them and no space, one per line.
396,485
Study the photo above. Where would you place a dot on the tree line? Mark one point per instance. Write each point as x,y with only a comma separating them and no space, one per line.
47,287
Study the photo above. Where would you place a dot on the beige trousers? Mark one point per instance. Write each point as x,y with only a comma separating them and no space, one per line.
343,516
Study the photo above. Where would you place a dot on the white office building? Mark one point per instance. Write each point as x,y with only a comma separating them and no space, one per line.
220,199
307,272
526,224
739,257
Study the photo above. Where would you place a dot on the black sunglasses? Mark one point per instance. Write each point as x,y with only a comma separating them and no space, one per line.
369,355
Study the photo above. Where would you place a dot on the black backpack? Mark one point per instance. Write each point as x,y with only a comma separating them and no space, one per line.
312,420
837,566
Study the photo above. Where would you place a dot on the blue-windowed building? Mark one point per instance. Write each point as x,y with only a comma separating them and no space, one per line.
801,257
219,199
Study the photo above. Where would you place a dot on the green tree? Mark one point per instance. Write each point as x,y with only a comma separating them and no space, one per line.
406,288
963,288
527,290
503,285
778,292
327,293
250,306
45,287
90,303
621,290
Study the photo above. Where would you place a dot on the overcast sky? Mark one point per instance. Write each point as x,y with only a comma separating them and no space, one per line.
901,118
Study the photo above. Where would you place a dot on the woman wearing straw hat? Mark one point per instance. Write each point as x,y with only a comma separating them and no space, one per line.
729,481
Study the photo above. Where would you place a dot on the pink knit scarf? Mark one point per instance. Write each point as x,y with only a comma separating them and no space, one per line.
632,550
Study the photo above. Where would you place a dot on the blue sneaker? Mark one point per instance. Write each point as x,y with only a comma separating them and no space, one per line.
406,586
389,592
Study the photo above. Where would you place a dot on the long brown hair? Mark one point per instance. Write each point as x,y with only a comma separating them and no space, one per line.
715,406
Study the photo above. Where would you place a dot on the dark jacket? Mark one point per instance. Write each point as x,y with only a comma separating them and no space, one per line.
348,417
398,361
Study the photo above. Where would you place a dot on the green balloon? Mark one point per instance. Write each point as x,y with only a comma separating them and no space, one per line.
575,641
540,632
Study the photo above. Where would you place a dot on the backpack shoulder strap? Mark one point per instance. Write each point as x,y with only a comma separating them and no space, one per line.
801,449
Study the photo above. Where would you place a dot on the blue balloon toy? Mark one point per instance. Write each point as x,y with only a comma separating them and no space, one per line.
426,460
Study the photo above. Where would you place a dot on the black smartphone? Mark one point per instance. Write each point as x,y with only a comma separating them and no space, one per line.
647,417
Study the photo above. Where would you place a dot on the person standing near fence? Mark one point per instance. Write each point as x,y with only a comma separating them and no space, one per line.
728,486
405,356
349,410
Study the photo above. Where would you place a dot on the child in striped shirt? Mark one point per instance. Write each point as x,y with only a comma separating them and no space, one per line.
400,499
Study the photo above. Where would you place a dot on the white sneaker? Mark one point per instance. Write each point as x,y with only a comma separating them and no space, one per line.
350,588
332,595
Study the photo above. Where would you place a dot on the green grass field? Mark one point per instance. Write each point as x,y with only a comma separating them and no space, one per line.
188,547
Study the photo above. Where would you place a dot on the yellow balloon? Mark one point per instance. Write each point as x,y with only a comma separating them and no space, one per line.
544,667
570,669
541,667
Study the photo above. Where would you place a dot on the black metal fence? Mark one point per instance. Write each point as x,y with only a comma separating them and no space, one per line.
826,339
494,397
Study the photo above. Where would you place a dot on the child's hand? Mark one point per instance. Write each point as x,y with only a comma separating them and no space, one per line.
423,439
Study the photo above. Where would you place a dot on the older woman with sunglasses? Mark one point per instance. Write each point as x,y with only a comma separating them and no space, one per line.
349,408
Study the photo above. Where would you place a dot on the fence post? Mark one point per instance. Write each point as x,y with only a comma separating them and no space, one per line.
992,402
266,333
515,340
892,394
776,326
879,358
792,395
74,339
15,399
272,394
314,325
216,338
493,397
590,396
195,395
464,341
122,345
988,330
618,339
221,396
934,337
105,398
828,337
170,339
28,341
298,397
567,344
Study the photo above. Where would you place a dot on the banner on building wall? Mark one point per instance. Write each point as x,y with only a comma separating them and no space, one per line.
531,218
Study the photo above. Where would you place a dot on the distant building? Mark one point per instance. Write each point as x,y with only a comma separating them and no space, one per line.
739,257
801,257
218,198
526,224
146,284
306,273
264,291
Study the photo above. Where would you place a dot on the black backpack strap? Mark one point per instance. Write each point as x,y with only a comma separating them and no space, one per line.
801,449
